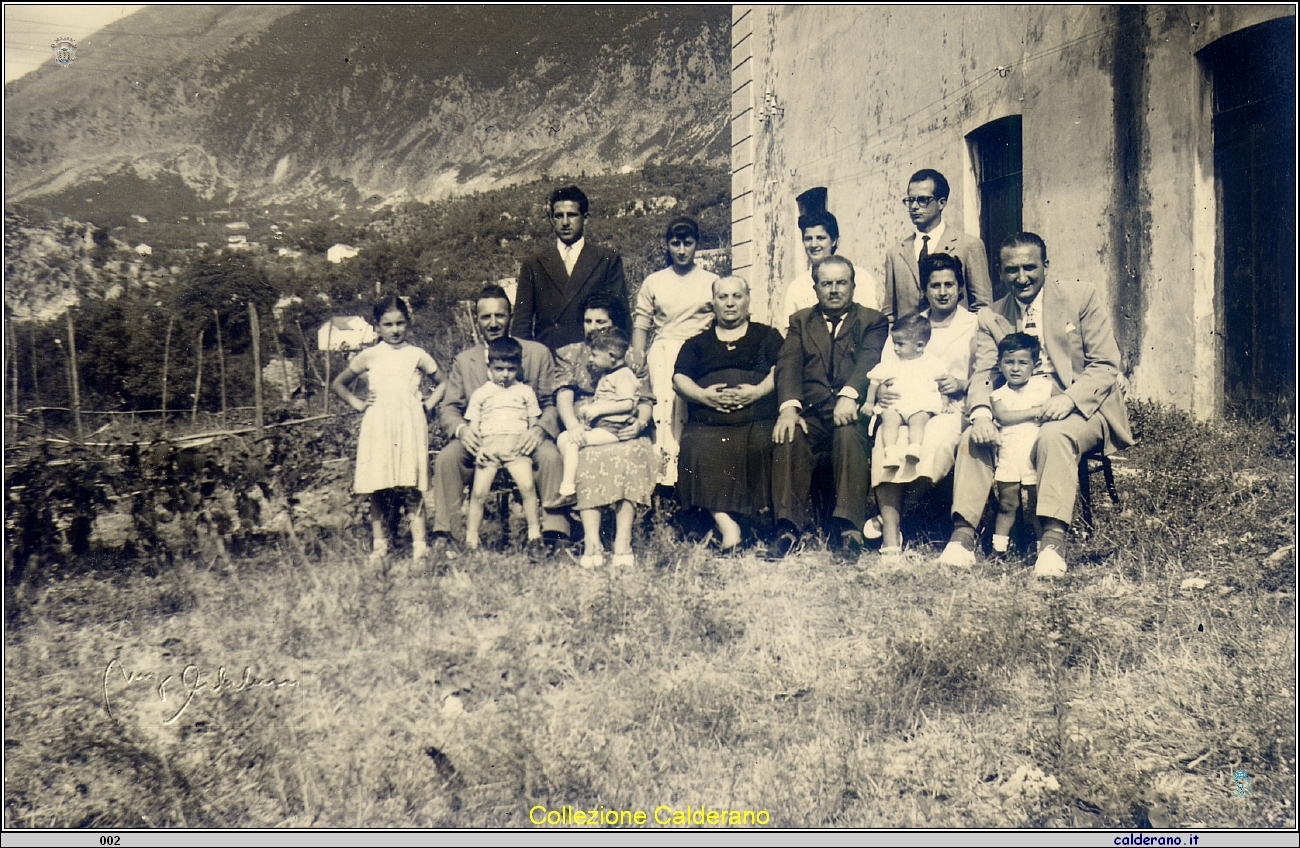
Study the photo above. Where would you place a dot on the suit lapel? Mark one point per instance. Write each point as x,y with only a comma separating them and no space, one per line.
820,335
908,247
553,264
581,274
1056,336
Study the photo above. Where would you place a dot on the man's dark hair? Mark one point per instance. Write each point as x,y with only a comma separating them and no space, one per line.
506,349
1019,341
913,328
940,182
681,228
571,193
1025,239
833,260
820,218
492,292
941,262
611,339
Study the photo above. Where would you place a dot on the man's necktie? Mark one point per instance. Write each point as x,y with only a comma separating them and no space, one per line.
925,248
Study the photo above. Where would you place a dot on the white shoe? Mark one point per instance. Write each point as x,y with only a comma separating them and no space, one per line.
891,458
913,453
1050,563
873,529
380,552
957,555
592,560
623,561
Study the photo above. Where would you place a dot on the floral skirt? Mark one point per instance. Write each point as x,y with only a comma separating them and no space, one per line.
624,471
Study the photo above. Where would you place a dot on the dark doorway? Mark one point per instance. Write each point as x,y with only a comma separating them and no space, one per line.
995,151
1254,160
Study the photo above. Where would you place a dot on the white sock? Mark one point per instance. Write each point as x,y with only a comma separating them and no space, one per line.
1001,543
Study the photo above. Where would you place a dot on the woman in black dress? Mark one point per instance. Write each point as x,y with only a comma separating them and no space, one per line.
726,376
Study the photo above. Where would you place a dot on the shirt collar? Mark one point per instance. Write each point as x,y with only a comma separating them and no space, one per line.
936,235
576,246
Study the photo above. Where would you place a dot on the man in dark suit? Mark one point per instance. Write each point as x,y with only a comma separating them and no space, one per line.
927,195
821,379
1079,352
454,467
554,283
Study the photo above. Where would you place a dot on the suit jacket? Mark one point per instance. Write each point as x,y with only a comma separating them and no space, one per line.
903,294
1077,336
548,302
469,371
803,368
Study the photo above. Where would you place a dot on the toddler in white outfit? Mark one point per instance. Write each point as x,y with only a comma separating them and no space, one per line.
1016,407
916,379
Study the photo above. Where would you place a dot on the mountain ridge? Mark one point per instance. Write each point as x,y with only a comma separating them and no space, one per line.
343,105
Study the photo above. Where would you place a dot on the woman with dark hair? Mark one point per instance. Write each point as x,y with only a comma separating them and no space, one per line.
621,474
674,304
821,238
952,343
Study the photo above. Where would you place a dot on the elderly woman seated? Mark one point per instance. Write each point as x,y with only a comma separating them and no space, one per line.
726,376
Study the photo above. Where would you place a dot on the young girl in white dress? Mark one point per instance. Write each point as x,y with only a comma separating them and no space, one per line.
676,304
393,448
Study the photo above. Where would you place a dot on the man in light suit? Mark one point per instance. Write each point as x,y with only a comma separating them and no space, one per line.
454,467
554,283
821,379
1080,353
927,195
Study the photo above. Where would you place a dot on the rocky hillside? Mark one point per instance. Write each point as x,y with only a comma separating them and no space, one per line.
181,109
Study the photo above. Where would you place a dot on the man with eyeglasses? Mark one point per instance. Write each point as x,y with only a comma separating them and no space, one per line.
927,195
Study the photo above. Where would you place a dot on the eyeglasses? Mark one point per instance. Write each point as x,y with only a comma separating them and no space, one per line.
923,202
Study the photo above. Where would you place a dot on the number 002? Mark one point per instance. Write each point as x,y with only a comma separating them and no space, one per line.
110,840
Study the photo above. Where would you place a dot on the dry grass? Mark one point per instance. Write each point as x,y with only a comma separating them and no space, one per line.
827,695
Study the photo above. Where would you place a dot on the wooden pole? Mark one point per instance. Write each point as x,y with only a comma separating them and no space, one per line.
307,361
284,363
221,358
257,365
72,376
329,333
198,383
167,355
36,382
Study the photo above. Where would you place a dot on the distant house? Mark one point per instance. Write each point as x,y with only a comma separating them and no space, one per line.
339,252
143,249
350,333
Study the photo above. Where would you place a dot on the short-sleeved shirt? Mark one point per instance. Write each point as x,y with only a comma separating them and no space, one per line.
1037,390
621,384
503,411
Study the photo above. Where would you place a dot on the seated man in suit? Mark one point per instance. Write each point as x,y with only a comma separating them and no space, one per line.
821,379
554,283
1079,352
927,195
454,467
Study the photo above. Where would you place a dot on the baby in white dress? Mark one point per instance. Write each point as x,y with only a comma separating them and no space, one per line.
916,379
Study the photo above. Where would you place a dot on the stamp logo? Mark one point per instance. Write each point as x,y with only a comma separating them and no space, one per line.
1241,779
65,50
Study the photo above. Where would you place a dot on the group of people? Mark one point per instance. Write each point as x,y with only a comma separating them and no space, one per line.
589,404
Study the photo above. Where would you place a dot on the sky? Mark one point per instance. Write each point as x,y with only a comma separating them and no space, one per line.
31,29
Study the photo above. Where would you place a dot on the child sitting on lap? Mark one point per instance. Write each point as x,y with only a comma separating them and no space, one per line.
916,378
609,410
502,412
1016,407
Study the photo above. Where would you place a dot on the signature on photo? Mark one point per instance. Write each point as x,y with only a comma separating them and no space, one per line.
192,681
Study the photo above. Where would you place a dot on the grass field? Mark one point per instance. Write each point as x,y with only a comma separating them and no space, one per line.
823,694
